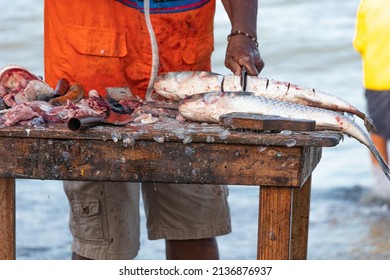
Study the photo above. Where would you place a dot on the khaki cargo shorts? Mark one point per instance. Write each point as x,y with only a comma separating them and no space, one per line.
105,219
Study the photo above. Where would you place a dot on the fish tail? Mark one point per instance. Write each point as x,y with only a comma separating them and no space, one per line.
358,133
369,124
381,161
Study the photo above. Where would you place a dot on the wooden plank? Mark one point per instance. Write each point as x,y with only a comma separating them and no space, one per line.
300,221
274,223
265,122
311,157
7,219
152,161
175,132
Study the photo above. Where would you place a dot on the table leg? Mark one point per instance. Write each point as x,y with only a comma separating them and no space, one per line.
284,222
7,219
300,222
275,210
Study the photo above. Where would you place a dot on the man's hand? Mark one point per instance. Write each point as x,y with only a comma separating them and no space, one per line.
242,47
242,51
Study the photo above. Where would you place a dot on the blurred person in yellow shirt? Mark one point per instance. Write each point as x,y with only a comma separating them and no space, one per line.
372,41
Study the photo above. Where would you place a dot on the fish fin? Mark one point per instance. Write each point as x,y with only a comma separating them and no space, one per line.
369,124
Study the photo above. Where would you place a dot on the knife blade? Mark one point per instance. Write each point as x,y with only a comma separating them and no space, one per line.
244,75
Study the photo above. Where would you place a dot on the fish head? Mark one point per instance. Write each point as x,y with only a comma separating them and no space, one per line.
14,78
23,85
191,107
166,84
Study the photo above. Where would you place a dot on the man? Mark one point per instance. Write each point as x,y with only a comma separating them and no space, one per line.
106,43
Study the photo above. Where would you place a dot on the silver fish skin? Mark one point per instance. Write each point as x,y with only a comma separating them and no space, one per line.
208,107
286,91
177,85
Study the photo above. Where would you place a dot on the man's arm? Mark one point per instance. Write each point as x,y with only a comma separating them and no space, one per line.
242,49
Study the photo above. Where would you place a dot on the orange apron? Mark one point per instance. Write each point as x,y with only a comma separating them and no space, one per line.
105,43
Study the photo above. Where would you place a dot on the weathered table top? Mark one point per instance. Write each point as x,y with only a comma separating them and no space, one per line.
281,163
163,152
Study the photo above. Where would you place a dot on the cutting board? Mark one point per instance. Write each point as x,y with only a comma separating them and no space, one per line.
265,122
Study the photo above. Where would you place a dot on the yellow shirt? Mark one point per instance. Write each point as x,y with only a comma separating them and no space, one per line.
372,41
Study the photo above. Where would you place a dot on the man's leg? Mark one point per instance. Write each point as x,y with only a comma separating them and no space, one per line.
196,249
104,219
78,257
381,145
188,217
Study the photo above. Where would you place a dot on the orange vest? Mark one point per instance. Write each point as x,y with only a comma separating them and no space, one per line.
105,43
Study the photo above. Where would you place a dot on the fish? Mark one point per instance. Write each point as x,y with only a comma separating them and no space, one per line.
286,91
177,85
208,107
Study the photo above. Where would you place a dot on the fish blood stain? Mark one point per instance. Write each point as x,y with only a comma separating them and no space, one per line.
340,121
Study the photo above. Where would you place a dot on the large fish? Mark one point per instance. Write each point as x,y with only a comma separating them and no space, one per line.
208,107
177,85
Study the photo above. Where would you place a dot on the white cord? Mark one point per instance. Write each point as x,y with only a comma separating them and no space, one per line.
153,41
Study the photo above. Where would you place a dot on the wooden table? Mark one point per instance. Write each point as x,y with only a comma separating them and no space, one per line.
281,163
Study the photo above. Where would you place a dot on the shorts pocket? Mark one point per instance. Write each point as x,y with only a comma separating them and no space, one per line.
87,221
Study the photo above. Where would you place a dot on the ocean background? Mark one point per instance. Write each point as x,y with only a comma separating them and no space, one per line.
305,42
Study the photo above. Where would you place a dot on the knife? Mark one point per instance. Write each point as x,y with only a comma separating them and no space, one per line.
244,75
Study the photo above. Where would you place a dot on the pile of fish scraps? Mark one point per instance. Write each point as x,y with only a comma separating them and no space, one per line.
25,99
